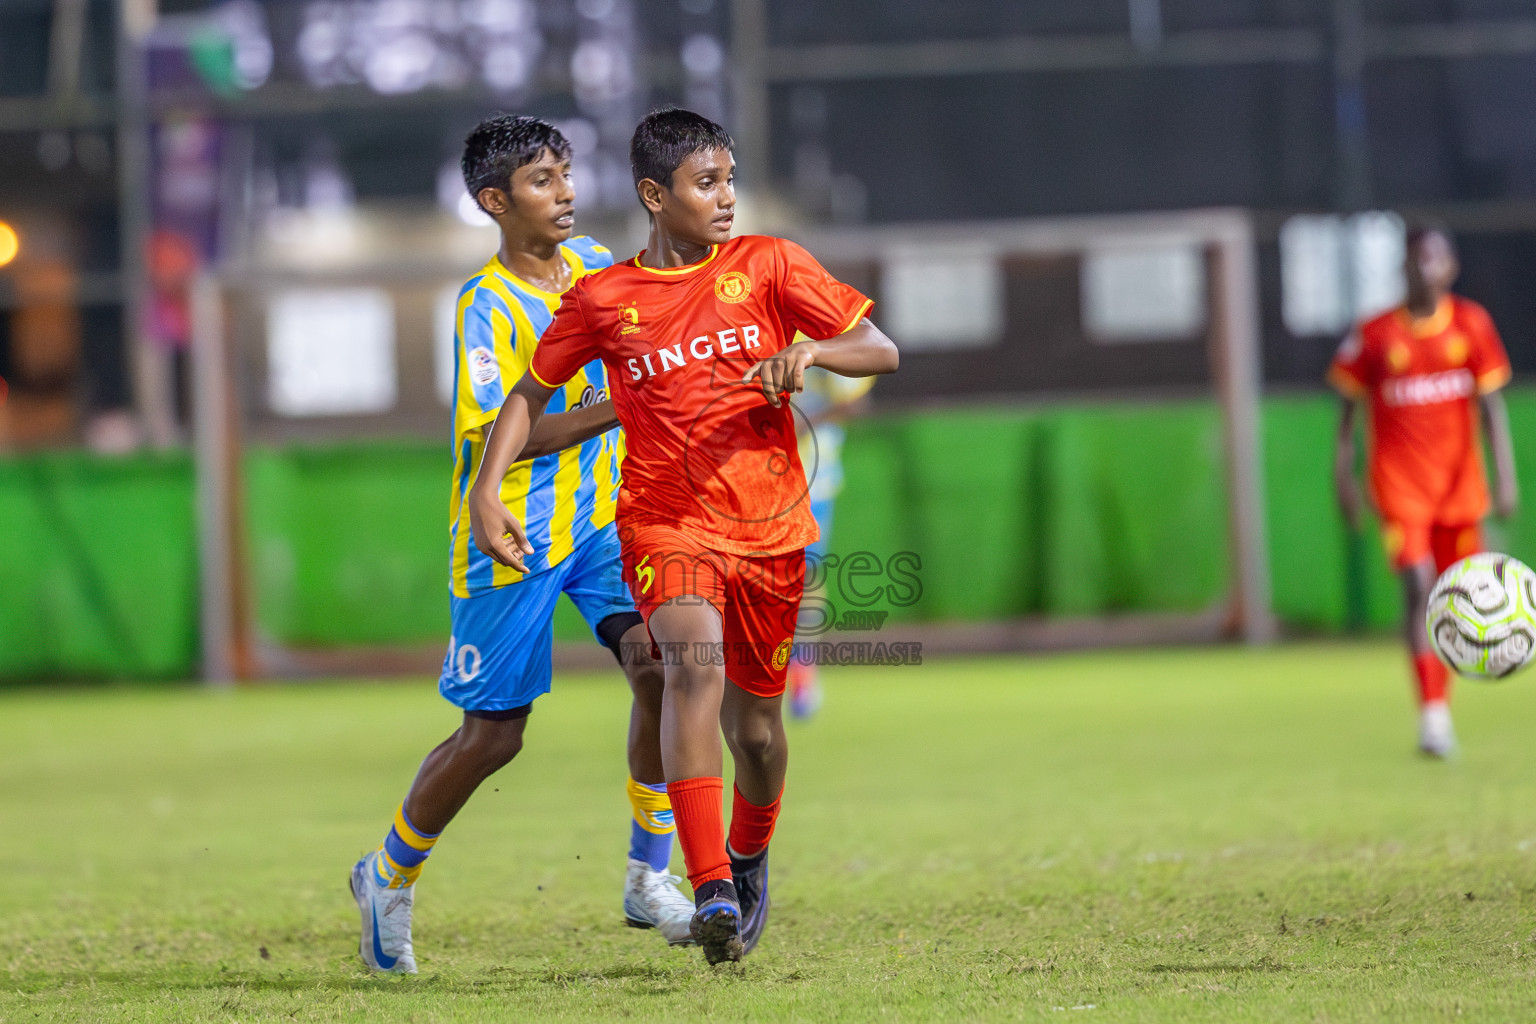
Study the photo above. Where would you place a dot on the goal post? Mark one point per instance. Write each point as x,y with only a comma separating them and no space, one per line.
1230,328
223,625
1236,343
232,312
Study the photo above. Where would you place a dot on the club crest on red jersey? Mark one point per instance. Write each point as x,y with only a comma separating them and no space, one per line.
782,652
629,319
733,286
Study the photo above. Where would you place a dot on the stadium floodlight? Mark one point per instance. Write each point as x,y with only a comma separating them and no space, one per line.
10,244
703,55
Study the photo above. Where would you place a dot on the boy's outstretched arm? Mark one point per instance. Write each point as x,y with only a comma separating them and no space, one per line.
1345,485
1506,488
861,351
561,430
496,530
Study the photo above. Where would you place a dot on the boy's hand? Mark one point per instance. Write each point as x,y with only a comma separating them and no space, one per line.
783,373
496,530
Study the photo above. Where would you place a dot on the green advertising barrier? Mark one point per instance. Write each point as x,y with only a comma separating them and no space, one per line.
998,512
1058,512
349,543
98,570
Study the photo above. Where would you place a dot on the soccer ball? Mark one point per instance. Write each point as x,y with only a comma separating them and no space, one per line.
1482,616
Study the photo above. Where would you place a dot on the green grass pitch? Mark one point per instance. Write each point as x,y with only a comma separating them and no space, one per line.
1210,835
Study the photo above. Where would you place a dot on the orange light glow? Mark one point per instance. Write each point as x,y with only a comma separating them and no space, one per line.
10,243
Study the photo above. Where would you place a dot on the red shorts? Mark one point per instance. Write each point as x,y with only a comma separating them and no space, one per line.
757,596
1411,543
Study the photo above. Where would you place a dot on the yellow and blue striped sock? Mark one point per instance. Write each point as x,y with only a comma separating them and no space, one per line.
650,834
403,853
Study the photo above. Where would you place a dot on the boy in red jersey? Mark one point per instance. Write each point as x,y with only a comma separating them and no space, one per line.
1420,367
696,333
518,169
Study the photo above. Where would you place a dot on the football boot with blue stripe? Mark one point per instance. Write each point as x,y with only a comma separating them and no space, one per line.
717,921
386,916
750,875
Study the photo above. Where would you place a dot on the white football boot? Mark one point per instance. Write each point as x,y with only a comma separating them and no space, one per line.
386,915
1437,737
653,900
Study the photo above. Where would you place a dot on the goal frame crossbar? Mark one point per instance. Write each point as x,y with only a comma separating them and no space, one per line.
228,651
1234,339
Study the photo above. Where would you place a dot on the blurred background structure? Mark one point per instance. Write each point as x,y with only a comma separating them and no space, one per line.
235,227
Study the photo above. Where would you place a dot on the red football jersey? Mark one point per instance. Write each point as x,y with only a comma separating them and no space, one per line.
703,451
1421,378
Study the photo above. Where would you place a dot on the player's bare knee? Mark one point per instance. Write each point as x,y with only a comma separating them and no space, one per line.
750,736
498,757
493,745
647,682
692,679
491,756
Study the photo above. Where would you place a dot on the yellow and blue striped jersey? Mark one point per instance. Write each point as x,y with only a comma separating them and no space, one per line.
563,498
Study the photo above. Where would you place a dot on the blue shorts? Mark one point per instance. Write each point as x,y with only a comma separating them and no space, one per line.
500,650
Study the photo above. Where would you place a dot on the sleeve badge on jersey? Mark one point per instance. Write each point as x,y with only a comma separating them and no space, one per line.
482,366
733,286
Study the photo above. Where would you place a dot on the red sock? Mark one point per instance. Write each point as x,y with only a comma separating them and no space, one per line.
751,825
701,833
1434,678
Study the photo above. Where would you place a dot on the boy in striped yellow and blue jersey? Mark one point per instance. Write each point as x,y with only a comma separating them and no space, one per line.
565,488
567,496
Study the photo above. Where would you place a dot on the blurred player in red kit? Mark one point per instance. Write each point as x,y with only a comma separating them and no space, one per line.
1430,373
714,514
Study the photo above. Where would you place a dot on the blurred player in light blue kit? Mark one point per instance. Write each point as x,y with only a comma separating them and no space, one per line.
827,402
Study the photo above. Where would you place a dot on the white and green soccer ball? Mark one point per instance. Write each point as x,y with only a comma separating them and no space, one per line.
1482,616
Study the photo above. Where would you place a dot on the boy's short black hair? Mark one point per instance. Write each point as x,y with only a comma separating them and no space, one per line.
1418,229
500,145
667,137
